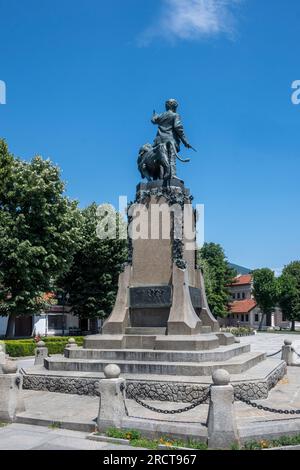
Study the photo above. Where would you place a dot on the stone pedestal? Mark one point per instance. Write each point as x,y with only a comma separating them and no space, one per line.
2,356
112,405
41,353
288,354
161,287
11,400
221,423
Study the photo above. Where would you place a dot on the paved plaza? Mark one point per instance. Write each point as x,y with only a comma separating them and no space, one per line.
271,342
76,415
80,409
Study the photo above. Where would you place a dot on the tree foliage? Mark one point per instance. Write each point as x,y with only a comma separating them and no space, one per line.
38,232
265,292
93,277
289,292
218,275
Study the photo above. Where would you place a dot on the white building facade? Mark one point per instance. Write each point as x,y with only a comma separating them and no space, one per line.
244,310
57,321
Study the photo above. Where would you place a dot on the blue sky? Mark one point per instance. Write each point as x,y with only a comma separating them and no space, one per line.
83,78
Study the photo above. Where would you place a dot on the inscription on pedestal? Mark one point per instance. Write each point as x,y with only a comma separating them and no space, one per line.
150,297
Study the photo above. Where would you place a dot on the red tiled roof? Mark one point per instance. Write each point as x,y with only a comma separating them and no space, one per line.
242,306
242,280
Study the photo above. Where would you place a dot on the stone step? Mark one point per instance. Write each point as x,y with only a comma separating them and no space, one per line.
139,330
235,365
222,353
252,384
199,342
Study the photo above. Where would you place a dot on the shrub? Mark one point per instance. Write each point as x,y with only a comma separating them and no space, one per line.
239,331
20,348
26,347
63,339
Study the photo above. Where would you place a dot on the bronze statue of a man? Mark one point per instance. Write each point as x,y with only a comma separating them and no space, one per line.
170,134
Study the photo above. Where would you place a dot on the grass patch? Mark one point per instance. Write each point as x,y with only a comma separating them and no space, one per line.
269,444
55,425
129,434
145,443
137,440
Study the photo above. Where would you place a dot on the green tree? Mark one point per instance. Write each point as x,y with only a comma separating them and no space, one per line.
289,292
38,231
6,165
265,291
92,279
218,275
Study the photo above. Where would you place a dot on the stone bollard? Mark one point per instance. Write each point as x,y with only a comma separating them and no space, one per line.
11,400
221,422
112,405
72,343
2,355
41,353
287,354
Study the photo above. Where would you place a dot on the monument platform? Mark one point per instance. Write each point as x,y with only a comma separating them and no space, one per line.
161,332
234,358
253,383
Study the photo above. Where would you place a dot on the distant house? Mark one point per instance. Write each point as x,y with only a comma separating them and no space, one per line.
244,310
57,320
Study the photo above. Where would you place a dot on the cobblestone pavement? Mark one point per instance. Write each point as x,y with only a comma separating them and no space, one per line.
27,437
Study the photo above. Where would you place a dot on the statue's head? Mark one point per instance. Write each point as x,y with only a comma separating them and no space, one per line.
171,105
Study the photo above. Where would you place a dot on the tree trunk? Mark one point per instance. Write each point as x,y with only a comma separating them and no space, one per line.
293,328
261,322
10,329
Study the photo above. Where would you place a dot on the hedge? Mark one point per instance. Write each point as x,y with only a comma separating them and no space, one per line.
26,347
239,331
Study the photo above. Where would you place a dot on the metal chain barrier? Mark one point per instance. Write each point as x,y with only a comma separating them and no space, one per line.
168,412
274,354
266,408
294,351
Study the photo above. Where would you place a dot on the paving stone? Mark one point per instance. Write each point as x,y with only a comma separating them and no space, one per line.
26,437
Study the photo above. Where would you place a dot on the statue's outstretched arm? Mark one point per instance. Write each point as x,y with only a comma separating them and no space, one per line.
155,118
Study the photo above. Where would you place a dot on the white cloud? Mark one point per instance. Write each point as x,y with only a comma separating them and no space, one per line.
192,19
277,271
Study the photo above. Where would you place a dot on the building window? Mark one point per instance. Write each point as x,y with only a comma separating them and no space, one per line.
256,317
244,295
242,318
233,296
247,318
239,296
55,322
